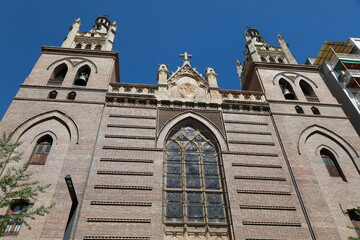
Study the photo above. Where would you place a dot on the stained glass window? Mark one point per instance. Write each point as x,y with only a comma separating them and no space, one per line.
193,185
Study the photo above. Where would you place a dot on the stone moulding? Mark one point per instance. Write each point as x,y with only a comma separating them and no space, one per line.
57,100
256,165
246,122
251,153
125,173
114,203
124,220
252,143
114,238
261,178
131,116
263,192
248,132
130,126
63,88
127,160
285,224
129,137
309,115
147,188
132,148
268,207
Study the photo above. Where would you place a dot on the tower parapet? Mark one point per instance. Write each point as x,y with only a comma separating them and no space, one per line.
100,37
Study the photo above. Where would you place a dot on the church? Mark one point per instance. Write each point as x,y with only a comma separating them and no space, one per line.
183,159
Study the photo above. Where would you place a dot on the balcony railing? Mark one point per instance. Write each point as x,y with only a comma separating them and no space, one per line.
12,227
242,95
139,89
343,56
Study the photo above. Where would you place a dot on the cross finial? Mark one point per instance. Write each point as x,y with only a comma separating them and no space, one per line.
186,56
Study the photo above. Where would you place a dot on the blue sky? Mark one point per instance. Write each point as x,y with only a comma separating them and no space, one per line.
153,31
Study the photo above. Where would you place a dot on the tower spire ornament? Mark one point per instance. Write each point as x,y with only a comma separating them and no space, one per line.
186,57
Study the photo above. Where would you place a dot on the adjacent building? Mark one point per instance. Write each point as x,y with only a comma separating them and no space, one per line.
184,159
340,68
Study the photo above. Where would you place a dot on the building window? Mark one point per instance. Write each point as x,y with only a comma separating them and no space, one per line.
78,45
271,59
98,47
315,110
331,164
262,59
354,215
299,110
280,60
82,76
287,90
308,92
58,75
52,94
15,212
41,150
71,96
194,194
88,46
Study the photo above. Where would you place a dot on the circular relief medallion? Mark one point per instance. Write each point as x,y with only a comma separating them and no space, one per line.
187,87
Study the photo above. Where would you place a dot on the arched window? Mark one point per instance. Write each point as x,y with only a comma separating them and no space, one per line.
280,60
79,45
88,46
262,59
82,76
58,75
299,110
194,191
308,91
71,96
52,94
14,224
98,47
287,90
315,110
41,150
271,59
331,164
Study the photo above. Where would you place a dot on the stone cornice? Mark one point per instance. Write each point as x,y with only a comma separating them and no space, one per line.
63,88
305,103
57,100
79,52
308,115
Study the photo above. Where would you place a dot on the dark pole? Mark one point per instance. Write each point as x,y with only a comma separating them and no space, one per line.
75,202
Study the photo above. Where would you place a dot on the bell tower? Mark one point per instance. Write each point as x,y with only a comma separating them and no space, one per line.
100,37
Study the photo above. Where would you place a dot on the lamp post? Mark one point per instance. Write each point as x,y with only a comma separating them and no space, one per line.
75,202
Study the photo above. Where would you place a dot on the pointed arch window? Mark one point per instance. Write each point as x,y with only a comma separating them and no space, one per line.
41,150
299,110
331,164
88,46
194,189
315,110
287,90
71,96
52,94
58,75
82,76
308,91
97,47
79,45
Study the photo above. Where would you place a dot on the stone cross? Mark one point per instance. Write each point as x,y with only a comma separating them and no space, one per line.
185,55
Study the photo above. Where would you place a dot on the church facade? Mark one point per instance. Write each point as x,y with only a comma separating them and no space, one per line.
184,159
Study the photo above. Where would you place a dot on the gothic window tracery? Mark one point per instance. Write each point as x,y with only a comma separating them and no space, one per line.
194,194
